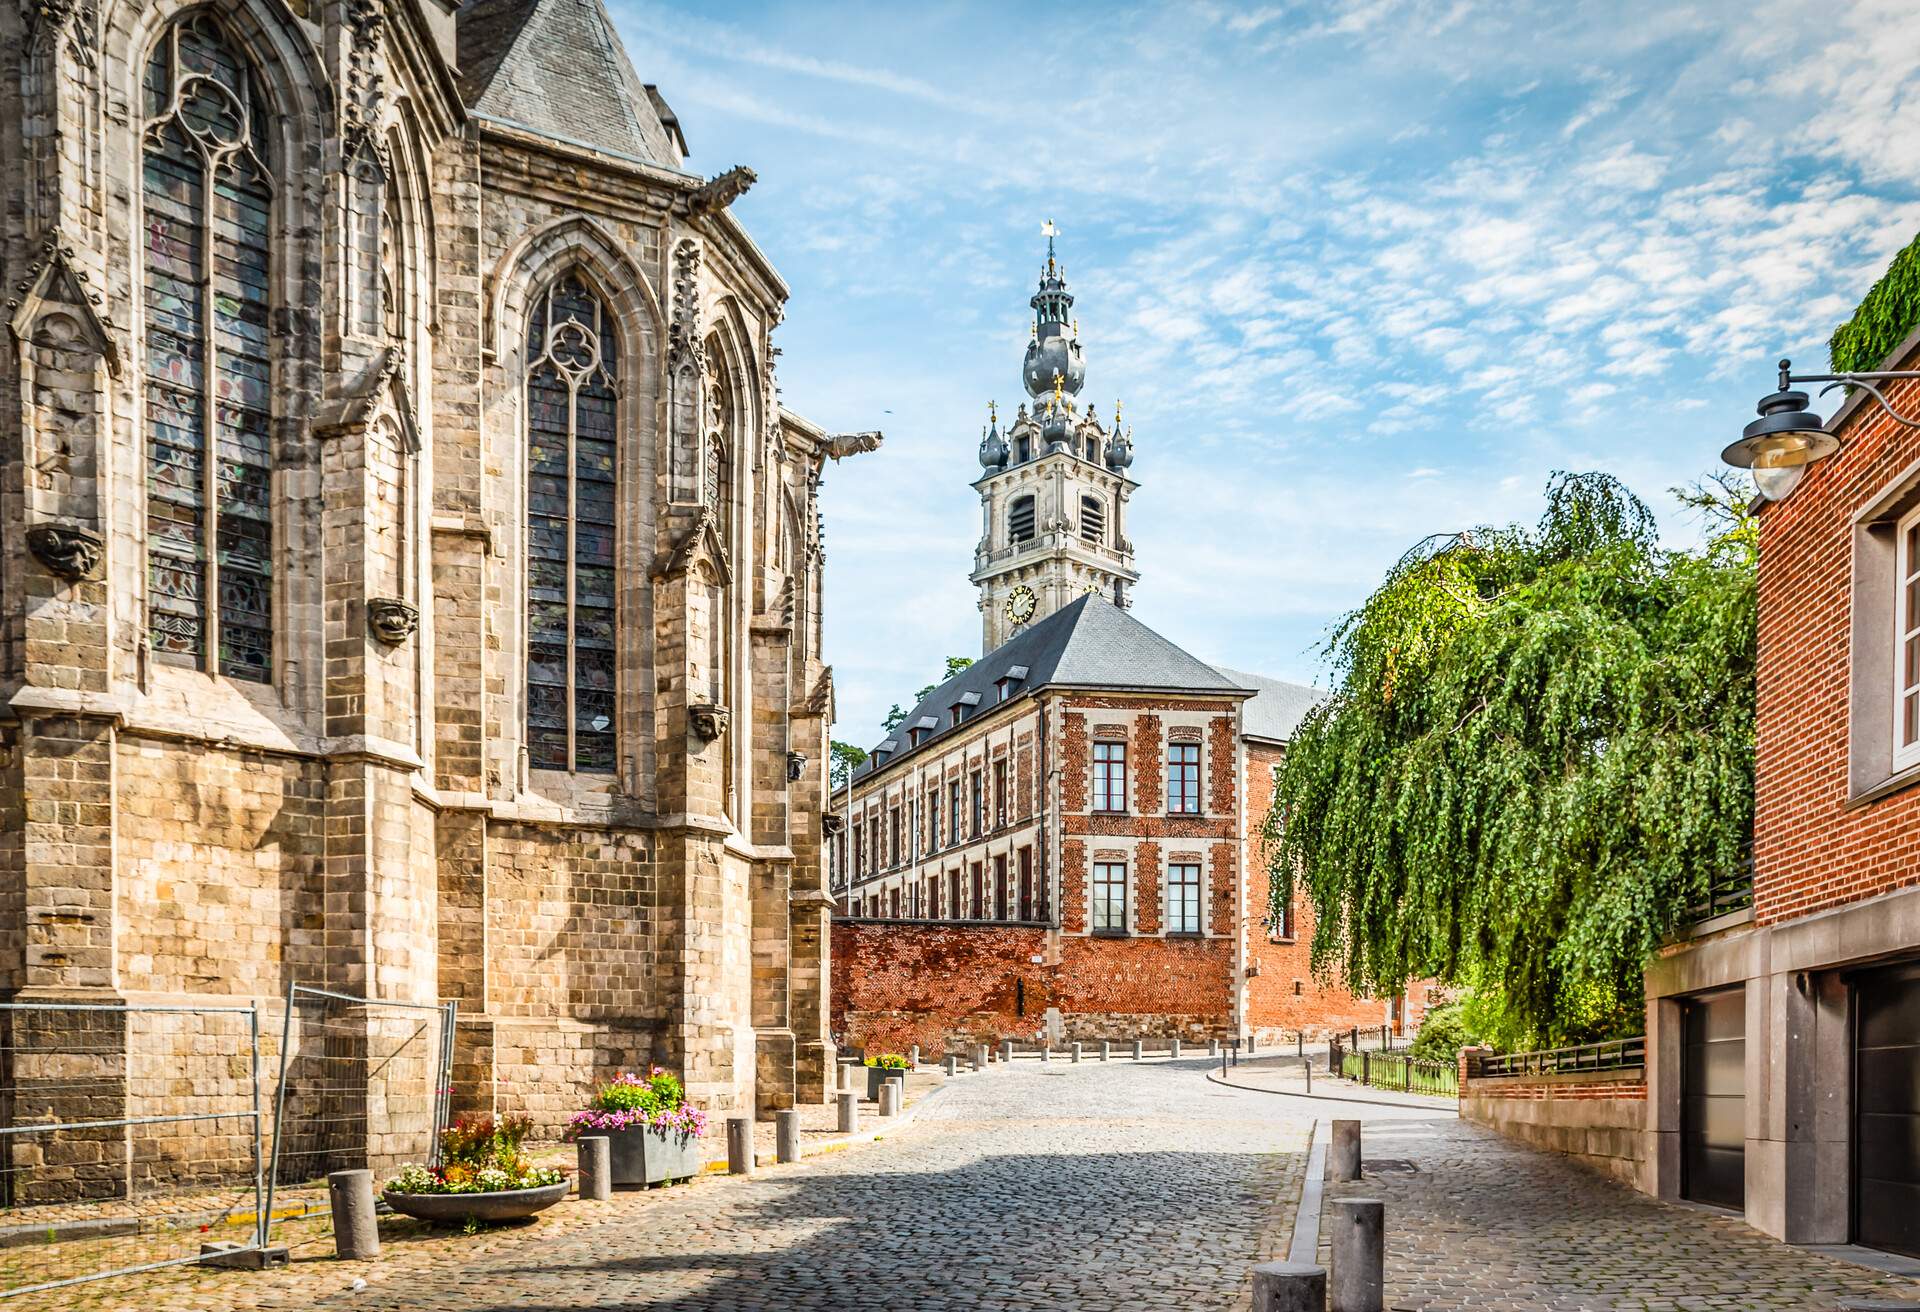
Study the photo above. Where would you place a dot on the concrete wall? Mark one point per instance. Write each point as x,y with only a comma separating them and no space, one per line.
1598,1118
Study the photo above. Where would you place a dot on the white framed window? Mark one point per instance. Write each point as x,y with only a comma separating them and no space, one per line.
1183,898
1109,897
1109,776
1183,778
1906,655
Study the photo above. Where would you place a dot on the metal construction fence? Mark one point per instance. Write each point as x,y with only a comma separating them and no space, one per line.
1396,1070
129,1136
133,1136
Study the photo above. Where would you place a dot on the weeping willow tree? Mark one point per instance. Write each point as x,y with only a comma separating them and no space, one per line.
1539,750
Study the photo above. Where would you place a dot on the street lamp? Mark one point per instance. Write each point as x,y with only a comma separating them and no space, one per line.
1787,437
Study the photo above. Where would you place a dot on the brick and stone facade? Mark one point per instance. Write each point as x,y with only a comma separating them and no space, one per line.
367,800
1836,885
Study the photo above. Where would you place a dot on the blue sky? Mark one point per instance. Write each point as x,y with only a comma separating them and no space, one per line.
1361,272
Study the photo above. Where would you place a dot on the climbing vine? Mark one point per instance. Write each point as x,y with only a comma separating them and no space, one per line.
1888,313
1539,748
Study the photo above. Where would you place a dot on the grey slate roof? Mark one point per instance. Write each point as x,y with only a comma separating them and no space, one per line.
1089,643
1277,706
557,68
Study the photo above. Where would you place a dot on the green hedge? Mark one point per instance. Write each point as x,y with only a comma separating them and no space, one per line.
1889,312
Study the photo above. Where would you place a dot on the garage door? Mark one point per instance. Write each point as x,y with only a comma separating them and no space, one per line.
1886,1133
1713,1099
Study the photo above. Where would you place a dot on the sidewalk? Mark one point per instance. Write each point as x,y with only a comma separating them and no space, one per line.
1481,1222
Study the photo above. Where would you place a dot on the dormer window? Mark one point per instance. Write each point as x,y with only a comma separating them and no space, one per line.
962,708
1022,450
922,730
1020,520
1012,679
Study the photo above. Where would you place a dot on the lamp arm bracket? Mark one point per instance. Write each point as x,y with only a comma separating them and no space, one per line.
1861,381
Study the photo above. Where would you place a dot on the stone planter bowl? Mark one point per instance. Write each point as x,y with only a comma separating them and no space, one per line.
506,1205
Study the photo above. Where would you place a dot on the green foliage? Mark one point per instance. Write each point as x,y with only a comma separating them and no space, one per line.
845,758
888,1061
478,1141
1889,312
1540,746
1442,1034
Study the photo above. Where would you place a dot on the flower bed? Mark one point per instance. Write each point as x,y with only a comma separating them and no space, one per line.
653,1132
483,1175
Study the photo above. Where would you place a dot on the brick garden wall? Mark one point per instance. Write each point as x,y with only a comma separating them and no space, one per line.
1598,1118
950,984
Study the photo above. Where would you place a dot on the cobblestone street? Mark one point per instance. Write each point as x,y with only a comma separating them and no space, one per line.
1485,1224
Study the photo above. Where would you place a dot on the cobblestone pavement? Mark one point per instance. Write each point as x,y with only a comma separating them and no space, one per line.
1485,1223
1101,1186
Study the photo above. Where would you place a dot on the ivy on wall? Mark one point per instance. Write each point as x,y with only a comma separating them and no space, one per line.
1889,312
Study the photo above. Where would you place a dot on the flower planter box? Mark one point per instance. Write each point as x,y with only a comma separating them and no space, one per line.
506,1205
879,1075
646,1156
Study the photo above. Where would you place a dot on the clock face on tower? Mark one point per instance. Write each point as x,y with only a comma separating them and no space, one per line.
1020,604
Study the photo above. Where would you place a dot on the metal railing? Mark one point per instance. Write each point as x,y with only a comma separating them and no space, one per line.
1611,1055
1397,1071
1727,892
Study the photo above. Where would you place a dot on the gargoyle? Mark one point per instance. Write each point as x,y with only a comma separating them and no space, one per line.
68,550
707,720
392,620
841,445
722,190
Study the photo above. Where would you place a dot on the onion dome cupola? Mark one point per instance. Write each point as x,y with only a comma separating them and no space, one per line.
1120,445
1053,355
993,447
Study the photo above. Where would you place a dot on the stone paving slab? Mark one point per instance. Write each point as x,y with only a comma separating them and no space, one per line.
1484,1223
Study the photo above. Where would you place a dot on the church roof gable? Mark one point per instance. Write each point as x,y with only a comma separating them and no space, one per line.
556,68
1277,707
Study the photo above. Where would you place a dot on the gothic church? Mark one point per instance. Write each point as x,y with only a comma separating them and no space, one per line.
411,581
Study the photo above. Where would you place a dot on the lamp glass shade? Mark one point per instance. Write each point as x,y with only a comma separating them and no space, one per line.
1777,482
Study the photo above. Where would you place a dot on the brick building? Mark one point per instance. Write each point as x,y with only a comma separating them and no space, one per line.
1064,837
411,583
1783,1040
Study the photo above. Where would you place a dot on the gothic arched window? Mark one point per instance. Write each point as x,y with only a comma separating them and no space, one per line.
206,191
570,530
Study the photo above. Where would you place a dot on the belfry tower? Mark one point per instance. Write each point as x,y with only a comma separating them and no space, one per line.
1054,492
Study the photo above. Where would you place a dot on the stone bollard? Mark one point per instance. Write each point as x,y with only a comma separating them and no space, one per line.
1289,1287
1359,1250
1213,1047
1106,1049
1076,1054
739,1145
952,1064
890,1091
913,1058
1046,1053
1139,1049
1173,1048
595,1179
1253,1041
786,1135
1006,1050
850,1110
1345,1157
356,1234
846,1076
979,1056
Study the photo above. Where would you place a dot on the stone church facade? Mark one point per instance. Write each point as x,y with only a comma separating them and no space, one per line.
411,582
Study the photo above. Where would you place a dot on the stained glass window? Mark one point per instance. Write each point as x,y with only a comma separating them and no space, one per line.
570,531
207,192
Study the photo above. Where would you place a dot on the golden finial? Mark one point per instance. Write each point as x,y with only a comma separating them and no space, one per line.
1116,414
992,413
1076,328
1058,403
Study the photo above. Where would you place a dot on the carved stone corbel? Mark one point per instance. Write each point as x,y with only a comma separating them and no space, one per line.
392,620
708,720
67,550
796,766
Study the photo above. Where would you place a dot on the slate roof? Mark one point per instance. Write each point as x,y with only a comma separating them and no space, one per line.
1277,706
557,68
1089,643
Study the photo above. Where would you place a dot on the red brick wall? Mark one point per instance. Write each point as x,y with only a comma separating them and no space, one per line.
1811,850
946,985
1273,1006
